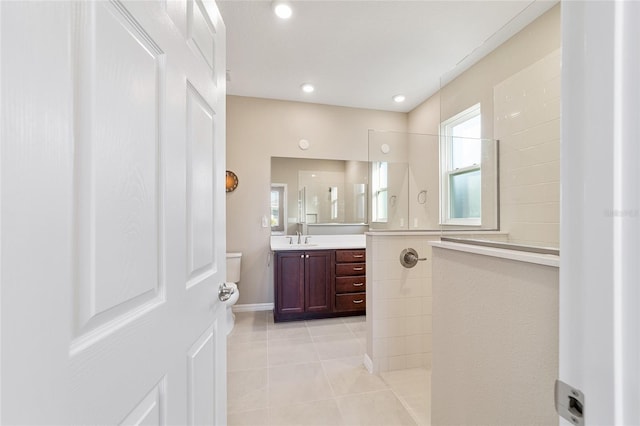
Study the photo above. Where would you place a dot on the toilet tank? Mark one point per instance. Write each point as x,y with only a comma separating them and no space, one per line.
233,267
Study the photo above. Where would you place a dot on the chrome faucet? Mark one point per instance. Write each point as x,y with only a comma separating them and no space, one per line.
299,234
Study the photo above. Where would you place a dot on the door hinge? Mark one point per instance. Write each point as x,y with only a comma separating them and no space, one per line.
569,403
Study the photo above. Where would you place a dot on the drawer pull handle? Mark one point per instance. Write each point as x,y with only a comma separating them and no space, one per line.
358,301
358,284
358,256
358,269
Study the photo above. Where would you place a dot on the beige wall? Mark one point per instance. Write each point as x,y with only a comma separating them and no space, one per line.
475,85
258,129
495,340
527,63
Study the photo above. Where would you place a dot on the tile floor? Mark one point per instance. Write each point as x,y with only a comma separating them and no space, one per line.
312,373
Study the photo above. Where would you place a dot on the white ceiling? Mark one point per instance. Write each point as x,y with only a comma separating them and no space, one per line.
362,53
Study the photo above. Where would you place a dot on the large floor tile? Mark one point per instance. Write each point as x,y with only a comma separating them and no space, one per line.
375,408
316,413
323,327
246,355
247,390
290,384
414,381
287,330
349,376
249,418
338,346
419,406
250,323
291,351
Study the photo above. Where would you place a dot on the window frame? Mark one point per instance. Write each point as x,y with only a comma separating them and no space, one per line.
447,170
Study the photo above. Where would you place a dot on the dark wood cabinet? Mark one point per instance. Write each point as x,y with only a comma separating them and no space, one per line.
289,291
303,284
319,284
350,282
317,277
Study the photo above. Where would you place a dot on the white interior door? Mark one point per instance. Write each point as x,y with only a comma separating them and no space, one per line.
600,232
112,212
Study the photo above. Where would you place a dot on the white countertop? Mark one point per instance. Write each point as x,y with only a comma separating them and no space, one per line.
318,242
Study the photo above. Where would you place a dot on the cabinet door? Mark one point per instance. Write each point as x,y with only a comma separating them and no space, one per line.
290,282
318,281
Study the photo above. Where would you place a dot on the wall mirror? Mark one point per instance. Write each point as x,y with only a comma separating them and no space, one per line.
320,194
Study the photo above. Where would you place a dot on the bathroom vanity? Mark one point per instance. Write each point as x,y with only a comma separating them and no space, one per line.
319,280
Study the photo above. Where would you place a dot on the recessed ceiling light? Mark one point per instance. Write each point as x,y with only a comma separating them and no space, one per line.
307,87
282,9
399,98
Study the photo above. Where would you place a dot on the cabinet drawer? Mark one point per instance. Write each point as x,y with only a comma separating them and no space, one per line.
351,302
351,284
350,256
346,269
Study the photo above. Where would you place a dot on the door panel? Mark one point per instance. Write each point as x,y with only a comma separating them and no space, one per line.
150,410
290,282
118,179
200,233
112,213
318,281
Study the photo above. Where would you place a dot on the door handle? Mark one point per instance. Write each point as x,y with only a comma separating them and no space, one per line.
225,292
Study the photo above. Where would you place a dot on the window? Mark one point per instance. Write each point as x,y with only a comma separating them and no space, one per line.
278,207
461,176
380,192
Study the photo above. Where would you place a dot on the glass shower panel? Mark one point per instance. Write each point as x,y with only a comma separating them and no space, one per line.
418,183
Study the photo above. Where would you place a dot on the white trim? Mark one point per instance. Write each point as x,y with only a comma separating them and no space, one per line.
520,256
368,364
252,307
446,170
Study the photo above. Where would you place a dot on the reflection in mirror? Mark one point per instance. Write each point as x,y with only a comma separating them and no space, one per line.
278,207
329,192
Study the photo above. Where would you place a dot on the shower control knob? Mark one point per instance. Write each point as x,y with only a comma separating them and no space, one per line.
409,258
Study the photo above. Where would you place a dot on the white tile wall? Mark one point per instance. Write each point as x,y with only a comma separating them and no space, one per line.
527,123
399,301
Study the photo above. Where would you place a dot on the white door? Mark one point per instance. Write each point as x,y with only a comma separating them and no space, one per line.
600,232
112,212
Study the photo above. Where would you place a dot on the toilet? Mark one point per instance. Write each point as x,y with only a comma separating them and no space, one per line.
232,279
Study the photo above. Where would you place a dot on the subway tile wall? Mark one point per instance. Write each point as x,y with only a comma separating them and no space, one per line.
398,303
527,123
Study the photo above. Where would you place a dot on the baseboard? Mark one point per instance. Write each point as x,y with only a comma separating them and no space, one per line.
368,364
252,307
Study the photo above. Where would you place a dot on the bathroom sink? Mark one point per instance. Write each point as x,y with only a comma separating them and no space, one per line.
318,242
297,246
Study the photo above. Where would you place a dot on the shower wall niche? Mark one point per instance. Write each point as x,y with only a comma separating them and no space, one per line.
416,184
